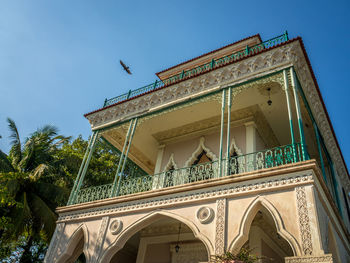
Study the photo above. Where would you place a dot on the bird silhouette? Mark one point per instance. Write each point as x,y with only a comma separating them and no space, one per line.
126,68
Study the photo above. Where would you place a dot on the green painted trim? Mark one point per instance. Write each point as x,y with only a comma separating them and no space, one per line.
223,104
229,105
320,152
298,111
290,116
86,165
80,169
121,159
125,158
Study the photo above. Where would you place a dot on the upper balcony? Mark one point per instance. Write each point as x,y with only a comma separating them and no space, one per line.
247,107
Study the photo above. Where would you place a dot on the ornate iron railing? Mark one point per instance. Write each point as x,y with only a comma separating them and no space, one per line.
200,69
234,165
277,156
93,193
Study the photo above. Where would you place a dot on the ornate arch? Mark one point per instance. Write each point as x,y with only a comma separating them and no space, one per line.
258,203
234,147
79,233
128,232
199,149
171,163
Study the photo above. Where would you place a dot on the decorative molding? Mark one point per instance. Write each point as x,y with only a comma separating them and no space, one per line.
225,191
171,163
234,147
56,240
116,226
205,214
220,226
199,149
306,80
221,77
310,259
100,238
304,220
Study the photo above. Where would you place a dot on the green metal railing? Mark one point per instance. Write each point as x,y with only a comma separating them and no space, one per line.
200,69
274,157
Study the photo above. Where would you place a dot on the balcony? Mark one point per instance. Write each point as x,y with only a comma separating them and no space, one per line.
236,165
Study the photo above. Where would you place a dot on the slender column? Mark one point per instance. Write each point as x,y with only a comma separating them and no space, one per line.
229,105
297,105
289,112
121,159
81,179
126,157
80,169
320,152
222,129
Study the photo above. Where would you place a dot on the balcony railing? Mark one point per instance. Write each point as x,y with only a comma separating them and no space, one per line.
200,69
240,164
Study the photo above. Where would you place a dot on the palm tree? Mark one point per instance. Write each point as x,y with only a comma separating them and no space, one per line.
27,176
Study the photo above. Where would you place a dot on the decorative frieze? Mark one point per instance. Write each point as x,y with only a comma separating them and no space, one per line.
304,221
100,238
223,192
310,259
220,226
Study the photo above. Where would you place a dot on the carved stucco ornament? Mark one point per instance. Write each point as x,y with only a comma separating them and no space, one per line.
205,214
116,226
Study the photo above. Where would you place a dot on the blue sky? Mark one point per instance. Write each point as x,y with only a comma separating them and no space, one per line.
60,59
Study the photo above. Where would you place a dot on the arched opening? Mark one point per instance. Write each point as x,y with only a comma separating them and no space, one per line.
264,240
262,230
74,251
165,240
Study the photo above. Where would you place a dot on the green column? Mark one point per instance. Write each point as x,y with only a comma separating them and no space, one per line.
222,129
285,76
229,105
320,152
126,157
300,121
114,187
83,172
80,169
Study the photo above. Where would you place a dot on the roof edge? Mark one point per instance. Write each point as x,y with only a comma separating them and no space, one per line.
210,52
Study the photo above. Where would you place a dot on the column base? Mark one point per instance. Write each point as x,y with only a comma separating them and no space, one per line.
310,259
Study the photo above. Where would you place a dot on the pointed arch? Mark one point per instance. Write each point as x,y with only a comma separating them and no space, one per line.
247,219
234,147
199,149
81,233
143,222
171,163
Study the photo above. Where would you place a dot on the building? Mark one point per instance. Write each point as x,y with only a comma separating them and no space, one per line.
237,150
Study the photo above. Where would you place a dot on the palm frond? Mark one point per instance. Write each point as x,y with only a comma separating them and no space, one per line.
16,149
51,194
21,216
39,171
5,164
43,214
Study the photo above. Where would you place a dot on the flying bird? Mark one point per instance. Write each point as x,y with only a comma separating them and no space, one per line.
126,68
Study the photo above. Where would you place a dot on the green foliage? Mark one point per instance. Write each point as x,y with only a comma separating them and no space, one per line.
36,177
28,194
